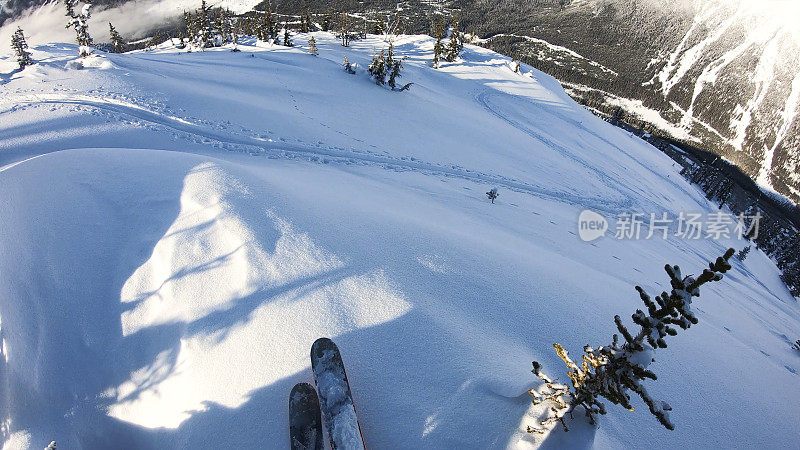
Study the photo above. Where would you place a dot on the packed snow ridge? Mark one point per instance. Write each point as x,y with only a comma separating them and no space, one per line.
178,229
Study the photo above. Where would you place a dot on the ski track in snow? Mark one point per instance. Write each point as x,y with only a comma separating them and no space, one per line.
483,98
338,154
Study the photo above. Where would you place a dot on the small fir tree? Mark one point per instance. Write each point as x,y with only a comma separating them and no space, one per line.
493,194
205,35
80,23
189,29
305,22
743,253
377,69
312,46
287,38
612,372
116,40
20,46
348,67
394,66
438,48
455,45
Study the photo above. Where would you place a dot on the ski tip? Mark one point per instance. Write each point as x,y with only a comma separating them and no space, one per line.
302,389
320,345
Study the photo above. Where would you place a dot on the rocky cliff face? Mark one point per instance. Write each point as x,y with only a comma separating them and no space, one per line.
726,73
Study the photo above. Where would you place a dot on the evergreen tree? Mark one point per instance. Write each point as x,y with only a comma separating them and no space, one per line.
326,22
394,66
438,48
203,26
312,46
305,22
287,41
455,45
20,46
493,194
377,69
743,253
348,67
80,23
189,26
613,371
236,31
116,39
266,28
377,25
400,25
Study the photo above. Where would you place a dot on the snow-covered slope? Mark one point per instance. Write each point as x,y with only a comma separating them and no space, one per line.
722,73
178,228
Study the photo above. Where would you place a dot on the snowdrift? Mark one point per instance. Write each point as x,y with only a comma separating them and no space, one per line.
177,230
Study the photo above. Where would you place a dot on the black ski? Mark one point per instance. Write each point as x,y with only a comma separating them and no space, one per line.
335,398
305,422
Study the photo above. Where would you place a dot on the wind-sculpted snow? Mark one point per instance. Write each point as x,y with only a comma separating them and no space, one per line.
178,229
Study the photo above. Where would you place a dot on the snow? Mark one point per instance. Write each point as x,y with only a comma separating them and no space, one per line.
178,229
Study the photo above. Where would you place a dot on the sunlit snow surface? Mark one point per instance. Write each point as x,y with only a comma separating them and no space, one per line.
178,228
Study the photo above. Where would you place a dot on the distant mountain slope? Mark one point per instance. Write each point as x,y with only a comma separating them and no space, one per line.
726,72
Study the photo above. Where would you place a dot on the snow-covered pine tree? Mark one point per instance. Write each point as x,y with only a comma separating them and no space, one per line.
205,36
394,73
377,69
189,29
224,25
394,66
267,27
80,23
236,32
455,44
390,56
20,46
438,48
613,371
348,67
287,38
312,46
116,40
743,253
493,194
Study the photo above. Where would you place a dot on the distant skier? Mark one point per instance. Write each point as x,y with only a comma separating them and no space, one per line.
493,194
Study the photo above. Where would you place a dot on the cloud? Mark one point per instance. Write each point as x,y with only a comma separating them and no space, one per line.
134,19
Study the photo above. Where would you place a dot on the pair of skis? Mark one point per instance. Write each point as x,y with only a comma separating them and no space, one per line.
334,404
